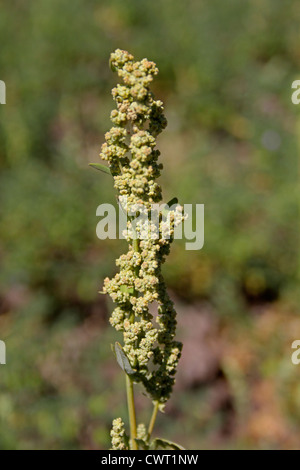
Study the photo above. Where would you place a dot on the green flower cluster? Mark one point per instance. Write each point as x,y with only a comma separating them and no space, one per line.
130,151
118,436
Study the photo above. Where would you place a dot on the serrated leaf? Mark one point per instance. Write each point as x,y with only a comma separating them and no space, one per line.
142,444
123,360
126,289
164,444
99,166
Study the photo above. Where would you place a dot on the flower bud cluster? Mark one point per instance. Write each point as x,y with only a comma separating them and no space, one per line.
118,436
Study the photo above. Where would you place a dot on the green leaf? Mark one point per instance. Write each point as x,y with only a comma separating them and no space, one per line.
120,205
123,360
142,444
164,444
126,441
165,211
172,202
99,166
126,289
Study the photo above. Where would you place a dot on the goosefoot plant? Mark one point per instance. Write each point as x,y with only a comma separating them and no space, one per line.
149,353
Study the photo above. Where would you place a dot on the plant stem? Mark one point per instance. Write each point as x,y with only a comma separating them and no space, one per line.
153,419
129,383
131,412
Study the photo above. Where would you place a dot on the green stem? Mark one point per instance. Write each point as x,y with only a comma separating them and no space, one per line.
153,419
136,245
131,412
129,384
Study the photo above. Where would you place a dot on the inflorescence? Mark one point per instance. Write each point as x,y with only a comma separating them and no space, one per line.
130,150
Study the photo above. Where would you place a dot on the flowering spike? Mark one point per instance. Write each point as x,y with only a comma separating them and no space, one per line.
130,150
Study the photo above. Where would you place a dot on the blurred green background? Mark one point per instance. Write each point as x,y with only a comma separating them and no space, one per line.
232,143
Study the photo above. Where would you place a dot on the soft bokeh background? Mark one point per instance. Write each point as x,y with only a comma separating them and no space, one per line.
232,143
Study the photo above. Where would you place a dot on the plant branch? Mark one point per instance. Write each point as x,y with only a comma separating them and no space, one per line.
153,419
129,384
131,411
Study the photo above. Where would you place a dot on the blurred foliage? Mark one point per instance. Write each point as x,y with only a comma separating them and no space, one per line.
226,70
